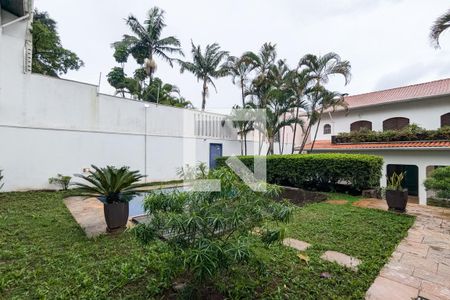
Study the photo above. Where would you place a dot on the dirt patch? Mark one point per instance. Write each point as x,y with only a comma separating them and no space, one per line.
337,202
300,197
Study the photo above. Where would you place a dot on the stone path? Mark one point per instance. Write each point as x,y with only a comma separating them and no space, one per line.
420,265
296,244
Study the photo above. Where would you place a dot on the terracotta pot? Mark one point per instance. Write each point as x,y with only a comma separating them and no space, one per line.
116,215
397,200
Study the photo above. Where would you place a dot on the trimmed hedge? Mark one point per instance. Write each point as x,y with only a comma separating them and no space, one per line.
320,171
409,133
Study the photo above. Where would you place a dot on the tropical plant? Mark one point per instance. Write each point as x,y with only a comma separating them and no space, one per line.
146,43
439,181
1,179
49,56
319,69
206,66
395,181
110,184
209,232
188,172
240,69
61,180
440,25
243,120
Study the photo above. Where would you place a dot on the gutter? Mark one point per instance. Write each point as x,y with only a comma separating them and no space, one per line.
16,20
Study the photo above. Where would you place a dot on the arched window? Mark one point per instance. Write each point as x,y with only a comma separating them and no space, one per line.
395,123
358,125
327,129
445,120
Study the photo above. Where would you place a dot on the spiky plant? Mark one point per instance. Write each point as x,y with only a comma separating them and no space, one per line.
110,184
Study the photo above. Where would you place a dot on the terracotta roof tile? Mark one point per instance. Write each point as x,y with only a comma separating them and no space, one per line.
421,90
327,145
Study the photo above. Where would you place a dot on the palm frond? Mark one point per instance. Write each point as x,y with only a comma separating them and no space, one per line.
440,25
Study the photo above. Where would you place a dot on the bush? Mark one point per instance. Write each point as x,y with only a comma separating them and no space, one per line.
211,231
61,180
320,171
439,181
409,133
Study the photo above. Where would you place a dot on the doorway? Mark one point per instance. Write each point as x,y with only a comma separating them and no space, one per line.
411,181
215,151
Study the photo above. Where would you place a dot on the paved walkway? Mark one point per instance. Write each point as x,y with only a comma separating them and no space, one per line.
420,265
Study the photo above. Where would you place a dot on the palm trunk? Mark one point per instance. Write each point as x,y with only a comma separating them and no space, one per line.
295,131
205,88
305,138
242,93
245,143
317,130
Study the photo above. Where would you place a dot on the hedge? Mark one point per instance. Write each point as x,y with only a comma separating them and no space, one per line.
409,133
320,170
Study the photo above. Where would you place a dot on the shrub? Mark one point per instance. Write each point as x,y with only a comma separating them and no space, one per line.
1,179
110,184
211,231
319,171
61,180
409,133
439,181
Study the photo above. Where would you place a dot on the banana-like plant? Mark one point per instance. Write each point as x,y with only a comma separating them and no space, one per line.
110,184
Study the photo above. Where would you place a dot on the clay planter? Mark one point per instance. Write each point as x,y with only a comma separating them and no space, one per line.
116,215
397,200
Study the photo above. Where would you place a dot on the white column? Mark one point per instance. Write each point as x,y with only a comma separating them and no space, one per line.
383,179
422,177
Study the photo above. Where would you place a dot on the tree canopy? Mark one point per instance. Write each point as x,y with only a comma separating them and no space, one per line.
49,56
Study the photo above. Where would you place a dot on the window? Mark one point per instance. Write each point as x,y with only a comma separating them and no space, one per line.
327,129
445,120
358,125
395,123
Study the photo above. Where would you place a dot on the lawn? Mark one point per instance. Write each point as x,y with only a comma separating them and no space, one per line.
44,254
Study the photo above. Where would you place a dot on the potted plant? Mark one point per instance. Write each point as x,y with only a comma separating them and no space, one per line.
115,187
396,195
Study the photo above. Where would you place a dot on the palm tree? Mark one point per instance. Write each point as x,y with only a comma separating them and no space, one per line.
261,63
146,43
319,69
206,66
240,69
439,26
242,119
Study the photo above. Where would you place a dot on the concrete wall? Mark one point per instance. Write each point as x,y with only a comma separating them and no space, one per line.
425,113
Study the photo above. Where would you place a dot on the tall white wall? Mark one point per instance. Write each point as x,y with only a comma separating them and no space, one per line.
50,126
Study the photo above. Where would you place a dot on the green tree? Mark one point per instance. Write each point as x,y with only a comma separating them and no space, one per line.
49,56
146,43
240,69
440,25
319,70
209,232
439,181
206,66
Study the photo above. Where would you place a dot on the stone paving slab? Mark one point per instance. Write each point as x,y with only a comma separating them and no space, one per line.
420,265
296,244
341,259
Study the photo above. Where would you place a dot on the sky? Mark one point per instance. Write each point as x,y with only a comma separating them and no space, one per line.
386,41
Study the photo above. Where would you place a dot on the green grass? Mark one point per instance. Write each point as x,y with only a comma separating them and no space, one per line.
44,254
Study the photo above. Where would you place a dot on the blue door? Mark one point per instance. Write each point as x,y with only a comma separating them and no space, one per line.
215,150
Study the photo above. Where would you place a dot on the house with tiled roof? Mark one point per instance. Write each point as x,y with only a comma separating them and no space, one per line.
426,105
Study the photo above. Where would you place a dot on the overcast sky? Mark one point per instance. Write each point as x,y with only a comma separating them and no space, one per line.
386,41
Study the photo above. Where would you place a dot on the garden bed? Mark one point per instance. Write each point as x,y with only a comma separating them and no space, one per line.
301,197
45,254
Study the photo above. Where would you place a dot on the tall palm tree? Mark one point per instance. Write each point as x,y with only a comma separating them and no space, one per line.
240,69
206,66
146,43
440,25
319,69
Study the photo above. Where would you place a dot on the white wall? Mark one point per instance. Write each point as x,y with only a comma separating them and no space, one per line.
50,126
425,113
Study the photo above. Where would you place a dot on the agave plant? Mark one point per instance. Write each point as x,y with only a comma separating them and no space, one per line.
110,184
395,181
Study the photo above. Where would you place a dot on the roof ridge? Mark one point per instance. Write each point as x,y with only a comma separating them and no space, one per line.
399,87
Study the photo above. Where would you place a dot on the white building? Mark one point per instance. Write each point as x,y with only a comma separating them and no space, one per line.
426,104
